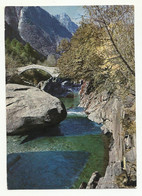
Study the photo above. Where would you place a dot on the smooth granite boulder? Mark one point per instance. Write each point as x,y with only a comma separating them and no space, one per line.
29,106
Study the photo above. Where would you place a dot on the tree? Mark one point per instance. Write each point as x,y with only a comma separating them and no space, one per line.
117,22
7,46
19,48
117,37
102,49
63,46
14,42
22,55
28,49
79,60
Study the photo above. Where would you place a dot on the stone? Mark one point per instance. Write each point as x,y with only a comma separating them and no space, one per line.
128,142
59,87
93,180
109,110
29,106
40,32
109,181
83,185
131,155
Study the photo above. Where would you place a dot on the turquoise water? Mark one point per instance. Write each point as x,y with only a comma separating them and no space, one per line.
75,153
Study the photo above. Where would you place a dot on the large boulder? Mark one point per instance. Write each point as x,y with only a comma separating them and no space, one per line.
29,106
59,87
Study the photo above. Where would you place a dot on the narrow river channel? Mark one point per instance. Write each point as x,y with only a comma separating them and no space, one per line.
61,161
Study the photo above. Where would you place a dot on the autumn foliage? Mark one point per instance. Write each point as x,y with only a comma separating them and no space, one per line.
102,49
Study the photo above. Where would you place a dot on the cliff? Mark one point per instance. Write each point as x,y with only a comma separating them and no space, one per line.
118,119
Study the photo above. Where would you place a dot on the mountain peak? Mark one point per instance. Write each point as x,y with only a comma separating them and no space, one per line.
66,21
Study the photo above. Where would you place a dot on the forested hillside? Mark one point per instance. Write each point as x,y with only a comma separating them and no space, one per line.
17,55
21,54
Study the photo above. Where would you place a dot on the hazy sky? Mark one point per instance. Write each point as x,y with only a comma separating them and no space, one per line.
74,12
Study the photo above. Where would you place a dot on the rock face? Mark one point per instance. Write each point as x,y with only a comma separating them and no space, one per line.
93,180
59,87
65,20
28,106
37,27
12,33
110,111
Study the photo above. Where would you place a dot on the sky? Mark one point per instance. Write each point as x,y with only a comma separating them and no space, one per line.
74,12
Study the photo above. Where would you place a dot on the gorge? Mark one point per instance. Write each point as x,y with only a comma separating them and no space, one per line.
74,128
73,149
77,134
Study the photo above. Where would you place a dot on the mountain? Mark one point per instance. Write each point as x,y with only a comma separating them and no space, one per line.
12,33
35,26
65,20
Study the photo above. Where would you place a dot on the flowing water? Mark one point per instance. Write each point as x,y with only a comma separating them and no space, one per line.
58,162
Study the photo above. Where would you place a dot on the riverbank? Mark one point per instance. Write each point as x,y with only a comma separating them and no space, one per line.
112,112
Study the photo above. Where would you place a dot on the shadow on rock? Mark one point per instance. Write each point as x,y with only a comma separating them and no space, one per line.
39,131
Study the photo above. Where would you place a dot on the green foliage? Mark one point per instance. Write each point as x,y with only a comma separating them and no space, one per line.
79,59
18,55
102,50
63,46
13,43
21,54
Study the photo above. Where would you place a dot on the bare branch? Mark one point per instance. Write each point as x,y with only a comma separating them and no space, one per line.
112,40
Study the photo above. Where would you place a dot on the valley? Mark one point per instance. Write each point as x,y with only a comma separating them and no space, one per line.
70,98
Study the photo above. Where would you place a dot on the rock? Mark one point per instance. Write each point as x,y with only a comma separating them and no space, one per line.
53,86
40,85
128,142
83,185
93,180
131,155
27,106
109,181
37,27
122,180
70,95
131,173
66,21
59,87
109,110
106,127
128,177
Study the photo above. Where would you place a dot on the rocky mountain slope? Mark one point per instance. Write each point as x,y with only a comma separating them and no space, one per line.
65,20
35,26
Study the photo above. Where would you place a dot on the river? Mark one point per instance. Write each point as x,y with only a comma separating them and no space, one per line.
64,160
